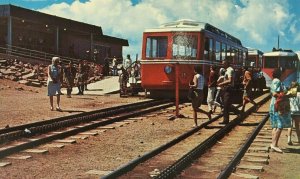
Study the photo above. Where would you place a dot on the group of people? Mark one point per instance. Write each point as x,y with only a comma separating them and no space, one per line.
57,74
284,106
221,90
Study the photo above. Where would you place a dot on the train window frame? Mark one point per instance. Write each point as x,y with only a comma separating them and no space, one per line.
218,51
223,50
185,50
159,49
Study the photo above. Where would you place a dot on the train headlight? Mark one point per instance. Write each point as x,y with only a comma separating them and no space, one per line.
168,69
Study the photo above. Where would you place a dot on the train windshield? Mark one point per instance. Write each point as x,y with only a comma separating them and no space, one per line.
185,46
288,62
157,47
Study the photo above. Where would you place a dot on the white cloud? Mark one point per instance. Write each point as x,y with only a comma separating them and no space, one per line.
254,22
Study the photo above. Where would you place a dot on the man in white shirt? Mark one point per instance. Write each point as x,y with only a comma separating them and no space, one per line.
228,85
127,64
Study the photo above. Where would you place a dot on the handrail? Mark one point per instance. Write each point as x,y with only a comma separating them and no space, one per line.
38,55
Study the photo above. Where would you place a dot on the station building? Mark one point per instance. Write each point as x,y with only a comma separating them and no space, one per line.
33,30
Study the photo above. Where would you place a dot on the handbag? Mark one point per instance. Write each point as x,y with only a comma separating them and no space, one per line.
282,104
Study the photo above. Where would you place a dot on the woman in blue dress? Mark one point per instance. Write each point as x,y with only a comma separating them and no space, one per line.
53,82
278,120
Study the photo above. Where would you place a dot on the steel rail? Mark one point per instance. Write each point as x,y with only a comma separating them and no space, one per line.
17,132
22,146
130,165
239,155
187,159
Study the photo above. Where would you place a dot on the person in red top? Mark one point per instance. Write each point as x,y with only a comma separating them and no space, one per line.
212,85
247,82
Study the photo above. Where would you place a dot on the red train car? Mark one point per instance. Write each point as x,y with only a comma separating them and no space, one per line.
254,58
183,44
286,60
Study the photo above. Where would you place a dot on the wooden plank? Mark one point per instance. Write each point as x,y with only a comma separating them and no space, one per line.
66,141
244,175
54,146
4,164
258,155
79,137
251,167
258,149
257,160
36,151
20,157
106,127
98,172
89,133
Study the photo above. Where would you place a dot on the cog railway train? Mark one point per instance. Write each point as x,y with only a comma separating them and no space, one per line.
181,45
286,60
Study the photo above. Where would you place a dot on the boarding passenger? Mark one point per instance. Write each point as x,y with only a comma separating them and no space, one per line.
54,83
219,95
228,86
247,95
197,85
280,114
294,97
212,84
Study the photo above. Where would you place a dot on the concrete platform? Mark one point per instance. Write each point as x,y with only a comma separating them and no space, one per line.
105,86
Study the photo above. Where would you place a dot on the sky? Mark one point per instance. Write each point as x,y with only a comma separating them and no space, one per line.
257,23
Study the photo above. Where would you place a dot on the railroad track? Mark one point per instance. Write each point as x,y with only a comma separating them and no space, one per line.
170,159
31,135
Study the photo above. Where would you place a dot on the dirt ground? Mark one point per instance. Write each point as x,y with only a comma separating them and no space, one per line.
109,150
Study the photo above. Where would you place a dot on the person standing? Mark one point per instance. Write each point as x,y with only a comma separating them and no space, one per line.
279,119
247,82
127,64
114,66
197,85
69,73
54,83
212,84
80,79
86,72
228,86
123,80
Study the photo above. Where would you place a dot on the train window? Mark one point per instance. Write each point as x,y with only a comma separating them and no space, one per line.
156,47
218,51
287,62
223,56
185,46
208,50
271,62
230,54
244,58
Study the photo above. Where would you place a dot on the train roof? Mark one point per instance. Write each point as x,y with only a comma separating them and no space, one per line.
253,51
280,53
192,26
